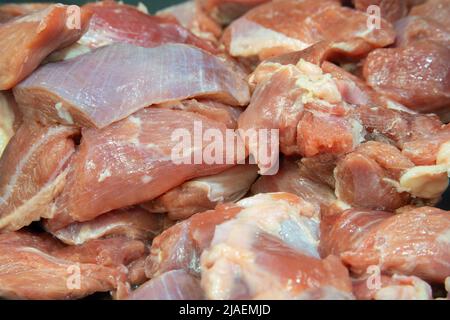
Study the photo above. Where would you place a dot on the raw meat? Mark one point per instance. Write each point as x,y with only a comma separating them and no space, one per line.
12,10
417,76
112,82
191,16
269,251
225,11
205,193
27,40
33,170
172,285
8,110
412,242
396,287
180,246
39,267
289,25
133,223
136,160
390,10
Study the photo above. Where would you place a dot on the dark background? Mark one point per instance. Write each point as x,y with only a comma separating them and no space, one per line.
155,5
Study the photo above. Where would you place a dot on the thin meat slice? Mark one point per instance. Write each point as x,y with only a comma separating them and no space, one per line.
205,193
192,16
120,79
269,251
369,177
172,285
8,115
133,223
27,40
180,246
36,266
412,242
416,76
33,170
395,287
136,160
225,11
284,26
10,11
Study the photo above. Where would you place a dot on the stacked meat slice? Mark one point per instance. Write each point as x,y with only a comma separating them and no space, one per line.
127,163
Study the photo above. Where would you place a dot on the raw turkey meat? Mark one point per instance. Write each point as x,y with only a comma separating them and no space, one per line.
390,10
27,40
10,11
110,83
133,161
269,251
289,25
133,223
412,242
172,285
36,266
33,170
205,193
191,16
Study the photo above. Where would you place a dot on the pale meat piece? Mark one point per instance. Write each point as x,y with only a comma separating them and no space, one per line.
27,40
172,285
412,242
10,11
33,170
396,287
225,11
307,108
114,22
369,177
180,246
191,16
132,223
110,83
136,160
436,10
269,251
284,26
417,76
8,119
205,193
293,179
36,266
390,10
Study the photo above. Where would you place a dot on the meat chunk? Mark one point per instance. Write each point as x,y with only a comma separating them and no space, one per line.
136,160
8,110
133,223
369,177
119,79
33,170
413,242
39,267
192,16
10,11
288,25
417,76
269,251
172,285
27,40
205,193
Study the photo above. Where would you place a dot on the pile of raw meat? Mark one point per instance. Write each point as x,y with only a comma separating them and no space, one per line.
92,201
